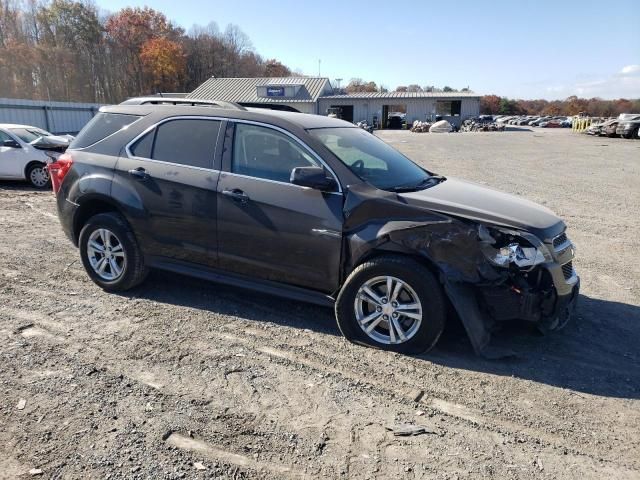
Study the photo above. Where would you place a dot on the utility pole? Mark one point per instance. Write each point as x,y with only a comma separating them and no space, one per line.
319,62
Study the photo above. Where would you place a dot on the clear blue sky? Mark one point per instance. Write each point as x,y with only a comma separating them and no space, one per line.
534,49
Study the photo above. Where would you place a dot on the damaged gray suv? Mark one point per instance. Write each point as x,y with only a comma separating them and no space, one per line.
313,209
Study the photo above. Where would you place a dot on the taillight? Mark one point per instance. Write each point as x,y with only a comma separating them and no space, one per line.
58,170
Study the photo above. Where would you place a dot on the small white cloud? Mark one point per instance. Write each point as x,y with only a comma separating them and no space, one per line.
630,70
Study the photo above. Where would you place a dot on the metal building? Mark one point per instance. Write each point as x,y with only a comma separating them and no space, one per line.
54,117
376,107
287,93
315,95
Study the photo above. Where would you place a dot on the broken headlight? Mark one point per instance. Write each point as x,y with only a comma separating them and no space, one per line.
504,248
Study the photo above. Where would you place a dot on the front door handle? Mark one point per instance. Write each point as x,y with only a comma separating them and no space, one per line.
140,173
236,194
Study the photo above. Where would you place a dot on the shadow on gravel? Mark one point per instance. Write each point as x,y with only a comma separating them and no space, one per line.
20,185
226,300
596,353
513,128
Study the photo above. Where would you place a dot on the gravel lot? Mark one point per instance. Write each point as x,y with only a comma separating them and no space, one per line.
183,379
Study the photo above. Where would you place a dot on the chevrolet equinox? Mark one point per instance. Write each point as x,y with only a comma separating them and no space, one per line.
309,208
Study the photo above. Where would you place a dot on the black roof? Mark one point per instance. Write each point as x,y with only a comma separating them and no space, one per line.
275,117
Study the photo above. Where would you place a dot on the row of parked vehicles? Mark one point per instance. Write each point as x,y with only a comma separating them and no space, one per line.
535,121
627,125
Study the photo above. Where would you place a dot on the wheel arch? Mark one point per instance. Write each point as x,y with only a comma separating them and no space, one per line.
396,250
30,164
93,206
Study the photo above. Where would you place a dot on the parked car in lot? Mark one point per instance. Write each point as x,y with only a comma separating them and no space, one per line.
309,208
525,120
628,128
25,151
541,120
553,123
607,128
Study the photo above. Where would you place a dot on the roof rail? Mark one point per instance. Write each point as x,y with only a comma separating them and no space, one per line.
192,102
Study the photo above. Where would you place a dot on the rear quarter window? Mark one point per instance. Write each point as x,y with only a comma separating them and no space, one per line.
189,142
100,127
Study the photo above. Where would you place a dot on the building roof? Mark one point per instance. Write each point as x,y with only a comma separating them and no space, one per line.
244,90
376,95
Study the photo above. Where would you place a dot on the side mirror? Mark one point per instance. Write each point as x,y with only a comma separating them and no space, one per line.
11,144
312,177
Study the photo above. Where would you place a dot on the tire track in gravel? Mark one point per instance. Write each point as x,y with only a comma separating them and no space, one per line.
154,377
355,456
173,386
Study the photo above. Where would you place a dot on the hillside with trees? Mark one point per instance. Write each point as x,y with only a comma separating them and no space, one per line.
69,51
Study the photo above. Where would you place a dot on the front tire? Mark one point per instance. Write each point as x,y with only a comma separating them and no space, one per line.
38,176
110,253
392,303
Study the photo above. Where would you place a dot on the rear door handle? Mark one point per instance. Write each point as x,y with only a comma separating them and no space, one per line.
140,173
236,194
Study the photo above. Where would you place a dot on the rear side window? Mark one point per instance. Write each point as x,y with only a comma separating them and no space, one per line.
100,127
190,142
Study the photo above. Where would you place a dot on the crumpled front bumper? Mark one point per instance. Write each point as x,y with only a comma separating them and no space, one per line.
482,309
546,296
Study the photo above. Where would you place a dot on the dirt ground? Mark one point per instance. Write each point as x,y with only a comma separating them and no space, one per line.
185,379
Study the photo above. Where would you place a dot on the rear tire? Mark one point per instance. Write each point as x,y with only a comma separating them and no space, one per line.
110,253
414,310
38,176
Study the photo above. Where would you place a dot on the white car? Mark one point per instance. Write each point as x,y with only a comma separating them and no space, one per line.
21,160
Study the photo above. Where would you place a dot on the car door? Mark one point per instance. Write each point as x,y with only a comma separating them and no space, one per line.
171,172
12,159
267,227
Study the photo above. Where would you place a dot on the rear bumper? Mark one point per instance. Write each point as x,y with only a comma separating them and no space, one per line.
67,213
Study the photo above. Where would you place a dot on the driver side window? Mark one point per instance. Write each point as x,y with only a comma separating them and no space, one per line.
266,153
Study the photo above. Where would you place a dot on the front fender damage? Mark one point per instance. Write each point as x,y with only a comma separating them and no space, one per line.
452,245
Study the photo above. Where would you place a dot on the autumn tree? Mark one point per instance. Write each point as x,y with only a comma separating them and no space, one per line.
490,104
127,32
163,63
69,50
273,68
358,85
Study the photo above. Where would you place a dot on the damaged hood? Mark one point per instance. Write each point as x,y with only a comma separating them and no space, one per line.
482,204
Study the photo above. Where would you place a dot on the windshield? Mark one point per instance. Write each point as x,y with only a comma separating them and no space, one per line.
371,159
29,134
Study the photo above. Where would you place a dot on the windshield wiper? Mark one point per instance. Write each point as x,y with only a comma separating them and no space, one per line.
421,185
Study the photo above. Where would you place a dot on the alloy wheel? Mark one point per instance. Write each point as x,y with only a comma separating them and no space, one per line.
106,254
388,310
